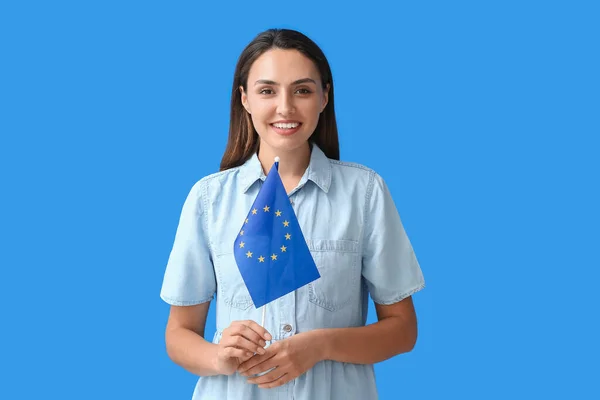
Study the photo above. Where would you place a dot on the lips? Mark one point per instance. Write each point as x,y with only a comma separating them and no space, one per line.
286,128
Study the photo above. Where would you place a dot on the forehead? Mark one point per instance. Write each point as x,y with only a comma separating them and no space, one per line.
282,66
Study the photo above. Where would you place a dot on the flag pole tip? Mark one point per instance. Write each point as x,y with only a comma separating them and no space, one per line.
276,159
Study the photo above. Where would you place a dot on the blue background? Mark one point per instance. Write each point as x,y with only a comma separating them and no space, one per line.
482,117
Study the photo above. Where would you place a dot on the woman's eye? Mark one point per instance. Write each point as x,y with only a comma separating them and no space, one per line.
303,91
266,91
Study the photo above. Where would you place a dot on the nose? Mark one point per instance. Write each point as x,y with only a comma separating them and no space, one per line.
285,106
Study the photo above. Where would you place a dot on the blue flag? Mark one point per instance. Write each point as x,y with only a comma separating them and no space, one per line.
270,249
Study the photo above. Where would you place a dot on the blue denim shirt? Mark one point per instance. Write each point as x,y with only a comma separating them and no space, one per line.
356,238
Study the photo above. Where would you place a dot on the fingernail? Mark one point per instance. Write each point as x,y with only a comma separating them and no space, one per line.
262,343
268,336
260,350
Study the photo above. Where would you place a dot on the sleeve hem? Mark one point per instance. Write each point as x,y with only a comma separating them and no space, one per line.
401,297
175,302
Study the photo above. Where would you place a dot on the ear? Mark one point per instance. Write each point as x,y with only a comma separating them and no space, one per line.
244,99
325,97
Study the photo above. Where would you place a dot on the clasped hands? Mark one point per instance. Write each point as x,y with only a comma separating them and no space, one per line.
241,349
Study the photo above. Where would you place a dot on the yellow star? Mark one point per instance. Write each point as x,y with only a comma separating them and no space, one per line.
278,213
261,259
241,233
288,236
249,254
266,208
246,221
286,223
283,249
242,244
254,211
274,257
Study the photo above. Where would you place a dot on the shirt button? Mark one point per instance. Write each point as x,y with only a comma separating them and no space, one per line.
287,328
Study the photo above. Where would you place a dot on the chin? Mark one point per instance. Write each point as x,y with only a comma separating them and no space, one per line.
287,143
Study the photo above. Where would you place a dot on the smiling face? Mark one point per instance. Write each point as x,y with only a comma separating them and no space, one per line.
284,97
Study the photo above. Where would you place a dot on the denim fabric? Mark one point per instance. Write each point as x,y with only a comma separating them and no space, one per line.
356,238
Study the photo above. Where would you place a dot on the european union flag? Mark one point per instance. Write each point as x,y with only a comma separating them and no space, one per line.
270,249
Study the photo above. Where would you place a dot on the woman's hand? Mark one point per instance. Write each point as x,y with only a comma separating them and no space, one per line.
290,358
240,341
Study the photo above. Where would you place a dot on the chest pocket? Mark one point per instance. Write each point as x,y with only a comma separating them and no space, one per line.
230,284
338,264
338,286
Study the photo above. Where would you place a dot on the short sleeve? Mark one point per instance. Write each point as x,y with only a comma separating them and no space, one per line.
389,264
189,276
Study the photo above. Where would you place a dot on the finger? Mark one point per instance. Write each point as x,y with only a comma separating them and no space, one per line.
246,357
271,351
257,359
269,377
232,352
278,382
261,367
258,329
248,333
242,343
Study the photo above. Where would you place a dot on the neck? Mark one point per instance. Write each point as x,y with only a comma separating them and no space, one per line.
292,164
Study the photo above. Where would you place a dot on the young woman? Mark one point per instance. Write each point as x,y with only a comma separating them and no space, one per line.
282,105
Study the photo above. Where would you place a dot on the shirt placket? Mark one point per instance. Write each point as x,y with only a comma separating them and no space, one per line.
287,303
287,317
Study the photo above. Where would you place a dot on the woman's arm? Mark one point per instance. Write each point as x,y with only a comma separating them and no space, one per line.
185,341
394,333
187,347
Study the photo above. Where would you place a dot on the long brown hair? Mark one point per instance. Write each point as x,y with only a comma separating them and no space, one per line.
243,139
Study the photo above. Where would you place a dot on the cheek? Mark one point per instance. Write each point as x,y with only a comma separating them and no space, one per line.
261,112
261,116
312,111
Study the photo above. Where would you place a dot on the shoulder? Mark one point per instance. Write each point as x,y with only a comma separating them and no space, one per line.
364,181
216,179
355,173
204,190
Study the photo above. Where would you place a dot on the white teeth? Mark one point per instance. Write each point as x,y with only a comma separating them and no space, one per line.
286,126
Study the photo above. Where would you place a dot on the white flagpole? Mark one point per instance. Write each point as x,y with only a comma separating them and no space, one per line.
264,309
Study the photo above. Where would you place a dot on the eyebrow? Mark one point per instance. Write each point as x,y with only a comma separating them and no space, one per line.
297,82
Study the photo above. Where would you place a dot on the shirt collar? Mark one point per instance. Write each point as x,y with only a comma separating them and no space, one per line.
318,171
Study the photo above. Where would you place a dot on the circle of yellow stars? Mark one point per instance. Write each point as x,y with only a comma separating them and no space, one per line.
287,236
